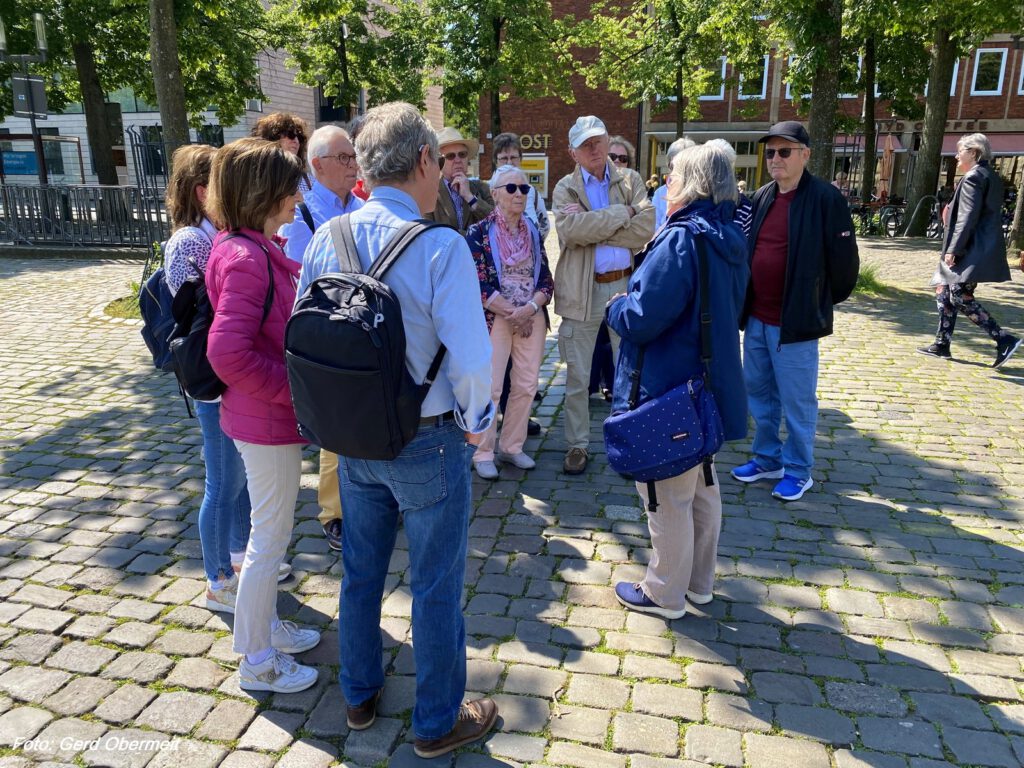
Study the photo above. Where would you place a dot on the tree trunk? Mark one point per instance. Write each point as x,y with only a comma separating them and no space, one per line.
825,87
870,137
680,105
495,97
497,23
936,106
97,128
170,91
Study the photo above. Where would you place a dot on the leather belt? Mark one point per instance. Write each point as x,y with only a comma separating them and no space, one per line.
611,277
437,421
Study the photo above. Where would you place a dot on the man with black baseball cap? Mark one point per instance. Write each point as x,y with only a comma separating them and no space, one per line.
803,260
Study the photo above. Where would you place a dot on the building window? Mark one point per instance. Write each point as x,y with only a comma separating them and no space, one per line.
952,82
716,91
253,105
789,90
989,69
52,152
212,135
1020,85
755,87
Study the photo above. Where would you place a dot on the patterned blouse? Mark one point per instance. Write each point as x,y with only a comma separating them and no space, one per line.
194,242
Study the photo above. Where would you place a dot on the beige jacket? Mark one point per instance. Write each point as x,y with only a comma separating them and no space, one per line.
578,233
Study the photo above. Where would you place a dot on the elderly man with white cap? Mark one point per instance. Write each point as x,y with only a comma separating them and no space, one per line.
460,202
602,217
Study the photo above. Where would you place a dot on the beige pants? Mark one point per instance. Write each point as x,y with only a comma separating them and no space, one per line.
527,354
684,536
328,495
576,341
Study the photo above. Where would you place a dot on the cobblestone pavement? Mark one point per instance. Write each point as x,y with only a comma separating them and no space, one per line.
878,622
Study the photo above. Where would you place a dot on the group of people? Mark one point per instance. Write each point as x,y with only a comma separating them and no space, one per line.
252,217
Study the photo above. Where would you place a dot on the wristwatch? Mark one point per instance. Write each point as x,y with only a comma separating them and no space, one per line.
472,201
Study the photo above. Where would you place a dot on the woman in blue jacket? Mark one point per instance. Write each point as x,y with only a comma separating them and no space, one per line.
660,313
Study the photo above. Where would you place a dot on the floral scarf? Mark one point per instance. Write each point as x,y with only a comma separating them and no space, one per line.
513,246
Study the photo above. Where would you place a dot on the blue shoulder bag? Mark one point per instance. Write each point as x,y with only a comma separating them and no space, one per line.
674,432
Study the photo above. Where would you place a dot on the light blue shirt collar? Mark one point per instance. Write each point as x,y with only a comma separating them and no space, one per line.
589,177
396,197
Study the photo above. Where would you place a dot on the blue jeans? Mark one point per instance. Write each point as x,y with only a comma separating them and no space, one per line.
224,513
429,483
782,380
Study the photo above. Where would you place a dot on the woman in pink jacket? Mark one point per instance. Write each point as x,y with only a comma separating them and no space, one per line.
254,187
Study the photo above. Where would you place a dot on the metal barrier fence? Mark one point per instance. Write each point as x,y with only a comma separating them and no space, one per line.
82,215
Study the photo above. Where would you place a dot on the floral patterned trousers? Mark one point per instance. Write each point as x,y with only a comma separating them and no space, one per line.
954,299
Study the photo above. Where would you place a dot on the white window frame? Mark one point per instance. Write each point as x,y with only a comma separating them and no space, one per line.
953,80
789,89
1020,85
1002,71
721,90
764,85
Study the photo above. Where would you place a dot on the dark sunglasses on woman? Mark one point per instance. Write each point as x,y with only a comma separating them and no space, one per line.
293,135
511,188
783,153
618,158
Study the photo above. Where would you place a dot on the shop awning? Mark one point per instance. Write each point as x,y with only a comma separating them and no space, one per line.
854,144
1002,143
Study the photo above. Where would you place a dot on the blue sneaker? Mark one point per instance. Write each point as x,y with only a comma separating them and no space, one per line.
791,488
751,471
631,596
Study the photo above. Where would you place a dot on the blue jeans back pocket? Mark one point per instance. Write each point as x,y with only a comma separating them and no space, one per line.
417,478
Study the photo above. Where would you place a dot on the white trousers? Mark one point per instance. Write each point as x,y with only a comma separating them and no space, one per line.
272,472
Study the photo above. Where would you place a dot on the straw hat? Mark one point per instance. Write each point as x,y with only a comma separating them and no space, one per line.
449,136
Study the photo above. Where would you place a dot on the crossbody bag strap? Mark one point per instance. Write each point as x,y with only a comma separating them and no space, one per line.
307,216
268,300
705,307
345,244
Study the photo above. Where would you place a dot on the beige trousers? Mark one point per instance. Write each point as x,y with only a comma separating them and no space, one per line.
684,536
328,495
576,341
527,354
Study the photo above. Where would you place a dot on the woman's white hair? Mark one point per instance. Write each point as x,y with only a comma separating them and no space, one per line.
978,144
704,172
501,172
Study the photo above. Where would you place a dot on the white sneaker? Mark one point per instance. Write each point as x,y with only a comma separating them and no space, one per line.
698,599
290,638
222,600
520,460
488,470
280,673
284,570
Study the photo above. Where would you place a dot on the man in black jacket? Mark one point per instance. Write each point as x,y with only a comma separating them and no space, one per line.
803,260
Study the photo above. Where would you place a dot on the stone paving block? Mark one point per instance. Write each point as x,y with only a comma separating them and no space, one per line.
579,756
860,758
864,699
139,667
177,712
89,627
656,646
794,597
580,724
228,720
977,748
21,723
188,753
717,676
374,744
516,746
976,662
79,696
272,731
929,657
30,648
853,601
63,739
714,653
634,665
81,657
308,753
817,723
781,752
178,642
738,713
405,757
198,674
528,653
983,687
245,759
764,660
910,737
1008,717
791,689
124,704
44,620
908,677
957,711
708,744
526,714
597,691
668,701
590,662
643,733
907,609
534,681
32,684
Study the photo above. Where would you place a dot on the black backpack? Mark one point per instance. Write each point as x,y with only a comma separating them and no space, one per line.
345,349
157,321
193,316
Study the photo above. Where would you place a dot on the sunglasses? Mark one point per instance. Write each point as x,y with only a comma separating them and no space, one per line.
784,153
618,158
462,155
294,135
511,188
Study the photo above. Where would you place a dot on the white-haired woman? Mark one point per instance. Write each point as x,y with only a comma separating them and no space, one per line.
660,315
515,286
973,250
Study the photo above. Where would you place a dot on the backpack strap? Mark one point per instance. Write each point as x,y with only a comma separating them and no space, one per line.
307,216
345,244
397,245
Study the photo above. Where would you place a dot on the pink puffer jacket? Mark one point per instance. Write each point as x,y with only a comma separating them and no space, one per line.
247,356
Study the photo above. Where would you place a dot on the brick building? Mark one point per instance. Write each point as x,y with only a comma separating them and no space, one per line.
987,97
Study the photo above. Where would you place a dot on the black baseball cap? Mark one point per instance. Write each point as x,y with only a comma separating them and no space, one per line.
790,130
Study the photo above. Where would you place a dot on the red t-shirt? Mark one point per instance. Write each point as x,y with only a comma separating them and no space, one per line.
768,270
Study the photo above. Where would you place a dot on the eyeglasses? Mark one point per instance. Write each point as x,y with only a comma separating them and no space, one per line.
461,154
507,159
440,158
343,157
289,134
618,158
511,188
784,153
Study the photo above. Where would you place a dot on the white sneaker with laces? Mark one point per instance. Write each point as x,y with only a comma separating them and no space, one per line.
284,570
487,470
520,460
222,600
280,673
288,637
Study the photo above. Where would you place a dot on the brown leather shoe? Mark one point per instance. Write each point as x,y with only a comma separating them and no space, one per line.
362,717
575,461
475,719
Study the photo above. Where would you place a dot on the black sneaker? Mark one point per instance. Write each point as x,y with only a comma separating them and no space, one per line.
1005,349
332,530
532,428
936,350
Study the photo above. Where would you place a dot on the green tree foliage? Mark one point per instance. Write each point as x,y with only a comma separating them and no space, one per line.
494,47
354,44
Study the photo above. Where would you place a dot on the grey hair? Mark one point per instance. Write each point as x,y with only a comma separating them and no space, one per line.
320,140
503,171
703,172
390,141
621,141
977,143
725,146
676,147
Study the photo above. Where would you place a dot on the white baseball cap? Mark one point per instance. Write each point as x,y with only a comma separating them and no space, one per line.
586,127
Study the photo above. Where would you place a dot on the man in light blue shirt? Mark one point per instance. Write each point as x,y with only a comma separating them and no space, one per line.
428,484
660,203
333,162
